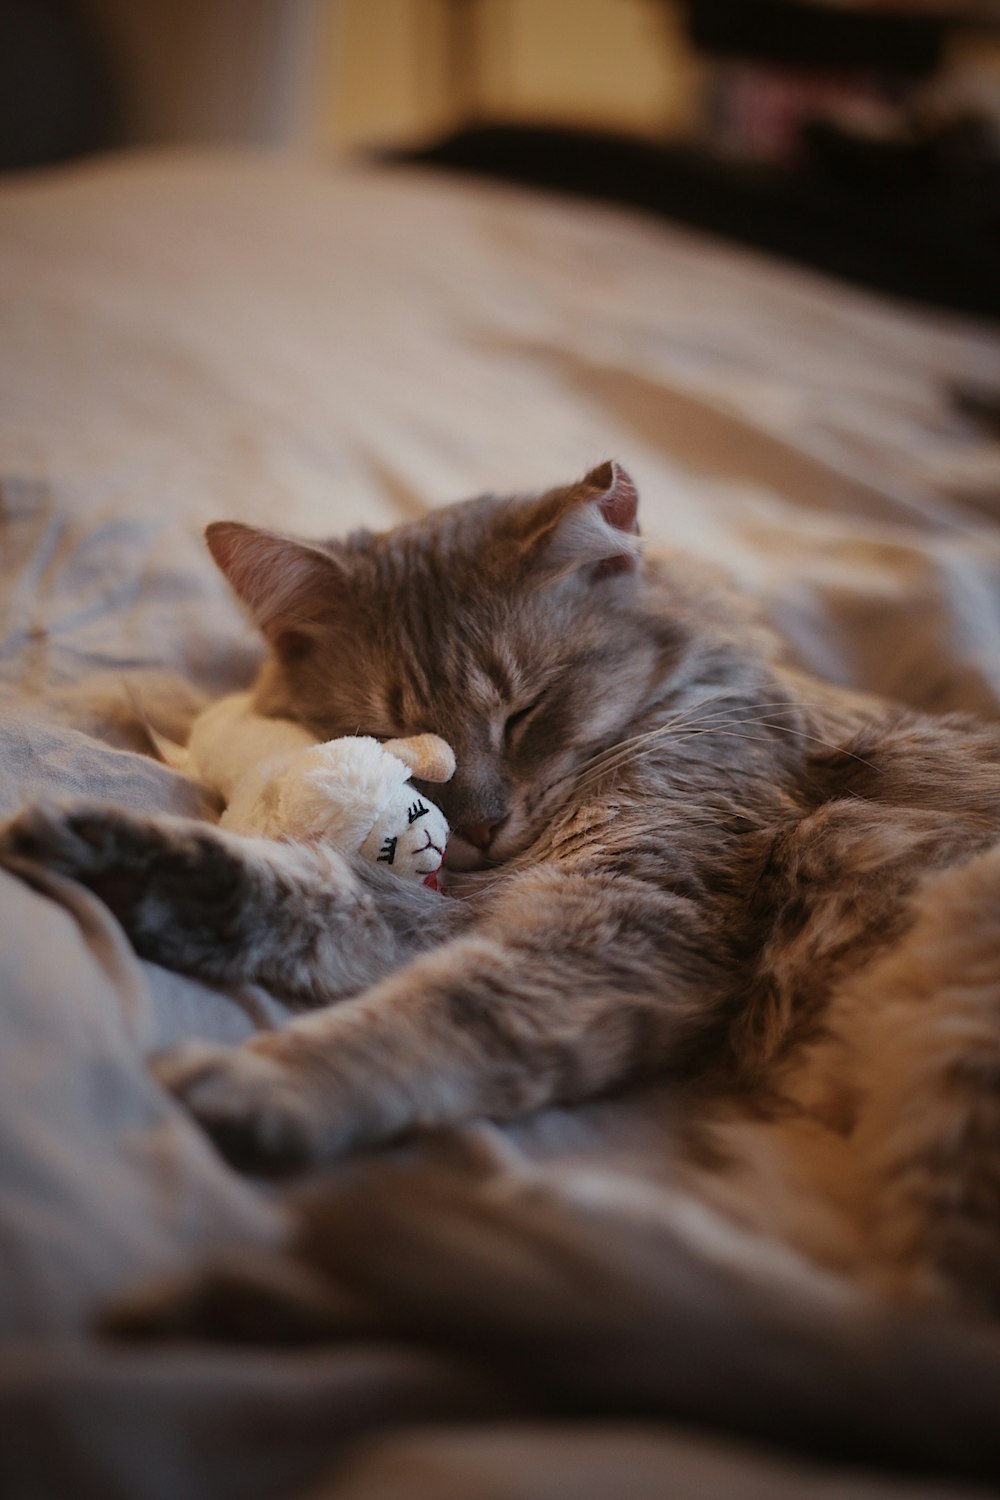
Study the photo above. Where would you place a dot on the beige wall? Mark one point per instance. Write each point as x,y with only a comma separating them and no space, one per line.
610,62
324,74
319,75
386,72
620,63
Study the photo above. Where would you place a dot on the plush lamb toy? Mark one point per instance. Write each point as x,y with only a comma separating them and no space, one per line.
276,781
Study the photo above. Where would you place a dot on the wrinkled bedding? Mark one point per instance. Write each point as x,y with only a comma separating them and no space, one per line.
188,337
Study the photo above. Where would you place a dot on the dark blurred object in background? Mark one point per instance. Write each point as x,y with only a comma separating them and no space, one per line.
936,241
838,134
776,67
58,97
85,75
832,37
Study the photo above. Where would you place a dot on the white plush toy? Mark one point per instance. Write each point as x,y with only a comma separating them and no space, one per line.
354,793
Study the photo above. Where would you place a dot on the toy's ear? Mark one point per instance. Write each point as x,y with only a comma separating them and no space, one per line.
289,587
591,525
429,757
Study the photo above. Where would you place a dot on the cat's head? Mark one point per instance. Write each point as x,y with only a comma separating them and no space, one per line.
514,628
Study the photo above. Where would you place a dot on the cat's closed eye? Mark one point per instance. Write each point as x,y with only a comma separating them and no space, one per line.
516,721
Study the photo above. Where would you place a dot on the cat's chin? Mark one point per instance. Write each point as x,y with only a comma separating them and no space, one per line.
461,856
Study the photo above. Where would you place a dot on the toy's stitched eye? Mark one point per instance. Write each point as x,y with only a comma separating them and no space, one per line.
415,811
388,852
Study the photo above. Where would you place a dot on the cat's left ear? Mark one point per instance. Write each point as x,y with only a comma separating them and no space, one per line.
593,524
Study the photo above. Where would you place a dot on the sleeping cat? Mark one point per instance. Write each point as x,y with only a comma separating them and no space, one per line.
676,857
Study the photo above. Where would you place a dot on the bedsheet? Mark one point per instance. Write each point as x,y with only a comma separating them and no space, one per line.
193,336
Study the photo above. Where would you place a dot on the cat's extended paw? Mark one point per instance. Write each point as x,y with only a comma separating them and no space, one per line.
250,1104
102,847
177,885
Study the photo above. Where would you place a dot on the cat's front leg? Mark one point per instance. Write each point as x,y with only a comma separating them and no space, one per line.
302,920
564,991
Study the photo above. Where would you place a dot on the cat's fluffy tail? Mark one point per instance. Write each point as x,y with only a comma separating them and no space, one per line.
578,1306
620,1314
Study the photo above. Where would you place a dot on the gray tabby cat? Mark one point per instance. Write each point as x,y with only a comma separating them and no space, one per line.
678,857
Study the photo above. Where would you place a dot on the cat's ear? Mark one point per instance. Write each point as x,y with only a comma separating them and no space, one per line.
614,493
289,587
593,524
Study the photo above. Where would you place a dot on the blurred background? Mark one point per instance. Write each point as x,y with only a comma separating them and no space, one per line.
859,135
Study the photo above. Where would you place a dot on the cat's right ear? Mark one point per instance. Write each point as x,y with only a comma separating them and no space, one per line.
289,587
590,526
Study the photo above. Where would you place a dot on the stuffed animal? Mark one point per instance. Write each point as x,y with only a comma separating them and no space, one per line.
355,793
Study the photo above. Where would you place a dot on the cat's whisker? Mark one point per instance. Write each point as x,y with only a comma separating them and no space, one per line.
805,735
689,716
630,750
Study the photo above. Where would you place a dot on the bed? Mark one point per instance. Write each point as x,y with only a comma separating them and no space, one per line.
193,336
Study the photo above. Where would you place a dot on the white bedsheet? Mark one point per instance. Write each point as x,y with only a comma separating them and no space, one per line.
191,337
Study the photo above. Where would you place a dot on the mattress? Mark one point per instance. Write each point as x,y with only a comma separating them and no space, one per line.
311,347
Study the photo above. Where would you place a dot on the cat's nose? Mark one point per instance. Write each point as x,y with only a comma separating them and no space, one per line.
481,835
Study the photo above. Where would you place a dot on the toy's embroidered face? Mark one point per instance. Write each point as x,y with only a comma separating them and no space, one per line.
357,794
409,837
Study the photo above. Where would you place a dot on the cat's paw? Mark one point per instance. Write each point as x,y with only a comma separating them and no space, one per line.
179,887
120,855
251,1105
102,847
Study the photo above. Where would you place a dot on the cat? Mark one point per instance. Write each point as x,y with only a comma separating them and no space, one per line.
675,857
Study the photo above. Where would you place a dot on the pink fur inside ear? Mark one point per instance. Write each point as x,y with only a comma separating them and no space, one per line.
429,757
618,498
